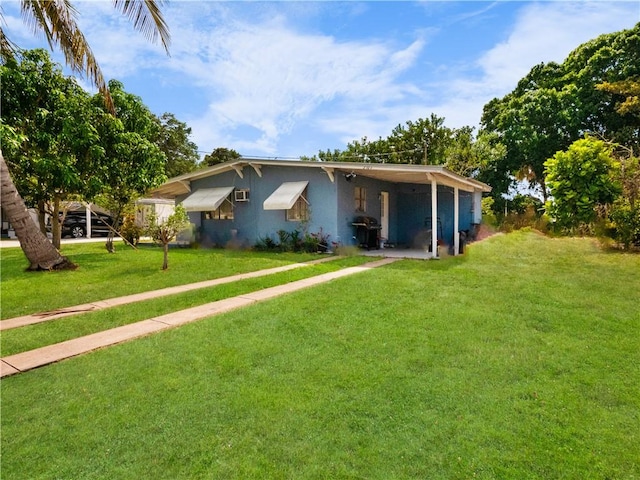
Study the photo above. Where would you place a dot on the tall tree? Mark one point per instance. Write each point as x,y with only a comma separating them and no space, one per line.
614,59
534,122
182,153
424,141
57,156
132,162
40,252
556,104
220,155
57,20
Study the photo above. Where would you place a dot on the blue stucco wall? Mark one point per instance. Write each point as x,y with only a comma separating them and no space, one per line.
251,222
347,207
321,195
414,213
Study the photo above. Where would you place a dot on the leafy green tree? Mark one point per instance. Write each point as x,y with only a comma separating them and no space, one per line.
533,122
40,252
580,180
556,104
133,162
608,59
330,156
220,155
424,141
165,232
181,153
58,155
630,90
57,20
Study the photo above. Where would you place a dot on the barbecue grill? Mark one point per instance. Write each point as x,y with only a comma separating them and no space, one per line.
367,232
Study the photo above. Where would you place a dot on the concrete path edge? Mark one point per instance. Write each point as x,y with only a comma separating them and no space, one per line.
31,359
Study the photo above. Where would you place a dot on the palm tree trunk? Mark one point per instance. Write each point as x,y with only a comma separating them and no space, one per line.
42,255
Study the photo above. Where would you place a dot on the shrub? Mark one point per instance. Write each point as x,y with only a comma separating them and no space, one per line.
265,244
580,180
488,215
625,223
527,212
130,230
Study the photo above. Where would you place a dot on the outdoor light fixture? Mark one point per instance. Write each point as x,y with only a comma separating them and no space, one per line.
349,176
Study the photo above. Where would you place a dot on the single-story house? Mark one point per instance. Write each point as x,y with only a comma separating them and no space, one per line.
248,199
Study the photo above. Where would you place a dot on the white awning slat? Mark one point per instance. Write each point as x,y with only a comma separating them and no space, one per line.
285,196
206,199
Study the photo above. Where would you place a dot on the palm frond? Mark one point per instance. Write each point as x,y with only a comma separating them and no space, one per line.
56,19
147,19
7,48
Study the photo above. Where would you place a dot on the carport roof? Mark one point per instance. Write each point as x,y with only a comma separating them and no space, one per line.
389,172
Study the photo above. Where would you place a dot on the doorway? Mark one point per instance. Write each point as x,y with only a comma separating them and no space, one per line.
384,215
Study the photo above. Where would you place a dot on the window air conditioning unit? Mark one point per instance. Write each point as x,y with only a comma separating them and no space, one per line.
242,195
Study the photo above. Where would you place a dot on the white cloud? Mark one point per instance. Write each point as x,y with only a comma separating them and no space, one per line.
543,32
119,48
269,76
549,32
262,78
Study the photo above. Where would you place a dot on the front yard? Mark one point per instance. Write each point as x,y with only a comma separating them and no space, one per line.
518,360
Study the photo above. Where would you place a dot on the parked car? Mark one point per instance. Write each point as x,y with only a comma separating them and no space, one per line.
75,224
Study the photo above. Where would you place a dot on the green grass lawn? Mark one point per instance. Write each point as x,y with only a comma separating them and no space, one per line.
519,360
47,333
100,275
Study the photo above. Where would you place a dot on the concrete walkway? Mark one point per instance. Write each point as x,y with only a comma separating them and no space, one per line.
139,297
24,361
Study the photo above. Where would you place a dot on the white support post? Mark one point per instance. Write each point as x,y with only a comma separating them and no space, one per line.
456,221
434,217
477,207
88,217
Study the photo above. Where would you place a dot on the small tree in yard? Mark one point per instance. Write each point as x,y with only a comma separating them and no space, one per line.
581,180
165,232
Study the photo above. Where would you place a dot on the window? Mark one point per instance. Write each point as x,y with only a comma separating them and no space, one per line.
223,212
300,210
360,199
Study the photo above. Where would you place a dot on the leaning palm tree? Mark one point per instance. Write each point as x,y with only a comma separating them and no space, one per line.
56,19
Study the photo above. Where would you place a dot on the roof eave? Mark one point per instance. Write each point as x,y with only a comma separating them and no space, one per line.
181,185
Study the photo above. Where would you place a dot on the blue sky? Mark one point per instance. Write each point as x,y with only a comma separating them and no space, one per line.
284,79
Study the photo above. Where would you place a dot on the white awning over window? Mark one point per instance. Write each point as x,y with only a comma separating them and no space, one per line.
206,199
285,196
